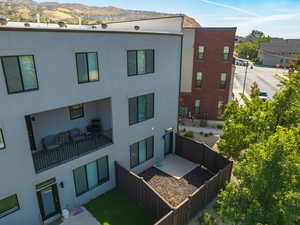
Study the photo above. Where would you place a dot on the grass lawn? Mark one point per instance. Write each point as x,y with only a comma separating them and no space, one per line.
114,208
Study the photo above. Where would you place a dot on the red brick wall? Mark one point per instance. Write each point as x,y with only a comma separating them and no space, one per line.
211,66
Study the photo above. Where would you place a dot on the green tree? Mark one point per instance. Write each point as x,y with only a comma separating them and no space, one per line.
254,90
247,50
257,119
294,64
268,191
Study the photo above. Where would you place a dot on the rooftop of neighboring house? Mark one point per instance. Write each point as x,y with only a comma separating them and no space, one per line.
281,45
164,25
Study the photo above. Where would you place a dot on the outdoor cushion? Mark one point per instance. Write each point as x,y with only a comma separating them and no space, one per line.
76,135
50,142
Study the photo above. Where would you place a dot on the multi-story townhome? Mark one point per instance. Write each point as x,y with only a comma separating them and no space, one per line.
76,98
207,72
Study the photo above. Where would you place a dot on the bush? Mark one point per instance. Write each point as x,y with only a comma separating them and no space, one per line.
189,134
207,219
205,134
201,133
220,126
210,133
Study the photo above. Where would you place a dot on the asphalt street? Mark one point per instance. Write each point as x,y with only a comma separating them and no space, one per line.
264,77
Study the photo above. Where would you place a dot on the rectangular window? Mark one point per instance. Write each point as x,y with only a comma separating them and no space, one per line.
89,176
198,80
223,79
140,62
76,111
226,52
141,151
9,205
2,143
220,108
20,73
141,108
87,67
197,106
200,52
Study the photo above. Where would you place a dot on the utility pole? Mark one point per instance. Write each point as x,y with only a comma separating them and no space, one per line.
245,77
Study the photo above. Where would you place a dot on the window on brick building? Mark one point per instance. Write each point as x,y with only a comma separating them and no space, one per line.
226,52
220,108
198,80
197,106
223,79
200,52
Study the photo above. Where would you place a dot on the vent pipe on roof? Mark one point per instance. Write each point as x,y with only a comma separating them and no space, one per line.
136,27
3,21
104,26
26,24
62,24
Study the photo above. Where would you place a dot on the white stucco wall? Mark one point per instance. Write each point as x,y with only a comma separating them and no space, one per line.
54,54
187,60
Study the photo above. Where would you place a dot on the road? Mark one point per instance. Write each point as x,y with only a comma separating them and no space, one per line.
264,77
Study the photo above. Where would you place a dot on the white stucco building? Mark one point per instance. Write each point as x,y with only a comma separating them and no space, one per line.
75,99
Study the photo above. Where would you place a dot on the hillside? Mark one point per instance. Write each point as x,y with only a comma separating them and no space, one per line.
26,10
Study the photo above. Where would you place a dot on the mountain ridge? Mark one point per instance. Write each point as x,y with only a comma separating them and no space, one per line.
26,10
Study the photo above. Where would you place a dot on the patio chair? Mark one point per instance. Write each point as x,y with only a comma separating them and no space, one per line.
63,138
95,127
76,135
50,142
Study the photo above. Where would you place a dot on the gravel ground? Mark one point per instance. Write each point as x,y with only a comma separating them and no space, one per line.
172,190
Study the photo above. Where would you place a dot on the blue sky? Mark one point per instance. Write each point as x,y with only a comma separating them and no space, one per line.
280,18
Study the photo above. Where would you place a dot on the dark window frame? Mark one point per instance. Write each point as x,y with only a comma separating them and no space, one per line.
137,111
138,152
197,108
136,63
2,136
99,182
222,85
74,118
87,65
20,74
226,54
198,83
198,53
16,209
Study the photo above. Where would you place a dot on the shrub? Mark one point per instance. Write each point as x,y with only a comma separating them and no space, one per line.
220,126
210,133
201,133
205,134
207,219
189,134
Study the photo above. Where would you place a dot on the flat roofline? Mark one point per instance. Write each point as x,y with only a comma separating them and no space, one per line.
153,18
30,29
213,28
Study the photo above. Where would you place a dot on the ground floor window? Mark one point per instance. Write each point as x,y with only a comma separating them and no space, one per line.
9,205
91,175
220,108
197,106
141,151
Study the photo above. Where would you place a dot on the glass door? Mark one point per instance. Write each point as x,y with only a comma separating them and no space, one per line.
49,202
168,142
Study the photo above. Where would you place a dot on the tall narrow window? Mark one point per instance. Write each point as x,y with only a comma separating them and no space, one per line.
197,106
141,151
9,205
87,67
226,52
2,143
141,108
91,175
198,80
220,108
20,73
140,62
76,111
200,52
223,79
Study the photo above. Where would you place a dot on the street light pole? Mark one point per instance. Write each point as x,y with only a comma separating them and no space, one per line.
245,77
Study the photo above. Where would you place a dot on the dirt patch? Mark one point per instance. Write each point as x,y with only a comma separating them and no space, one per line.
172,190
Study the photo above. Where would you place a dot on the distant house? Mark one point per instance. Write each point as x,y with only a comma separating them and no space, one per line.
278,51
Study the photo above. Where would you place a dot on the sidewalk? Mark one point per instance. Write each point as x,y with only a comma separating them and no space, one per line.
237,91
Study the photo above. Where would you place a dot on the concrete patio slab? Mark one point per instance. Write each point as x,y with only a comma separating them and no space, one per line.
175,166
83,218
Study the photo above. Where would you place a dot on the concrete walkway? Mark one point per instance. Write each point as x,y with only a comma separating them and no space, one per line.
83,218
201,129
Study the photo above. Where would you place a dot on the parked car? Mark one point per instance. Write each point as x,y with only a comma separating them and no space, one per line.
241,63
263,96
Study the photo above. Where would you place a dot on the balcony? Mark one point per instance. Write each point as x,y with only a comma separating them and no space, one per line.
61,135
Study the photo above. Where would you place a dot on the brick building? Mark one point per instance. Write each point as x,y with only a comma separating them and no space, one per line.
207,72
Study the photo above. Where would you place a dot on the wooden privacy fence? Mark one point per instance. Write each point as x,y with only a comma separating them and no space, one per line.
139,191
